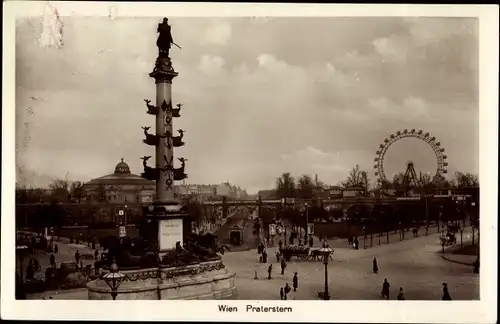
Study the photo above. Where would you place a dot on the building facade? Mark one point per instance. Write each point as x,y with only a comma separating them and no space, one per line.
120,187
205,192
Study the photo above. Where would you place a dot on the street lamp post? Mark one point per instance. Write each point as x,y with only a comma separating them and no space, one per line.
114,279
284,219
461,235
213,216
325,252
307,222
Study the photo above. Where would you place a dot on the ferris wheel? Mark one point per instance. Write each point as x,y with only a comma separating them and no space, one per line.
441,158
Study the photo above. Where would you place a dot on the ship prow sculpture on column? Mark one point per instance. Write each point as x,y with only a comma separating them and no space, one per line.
166,261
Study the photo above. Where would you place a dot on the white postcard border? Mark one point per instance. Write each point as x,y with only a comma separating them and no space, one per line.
304,311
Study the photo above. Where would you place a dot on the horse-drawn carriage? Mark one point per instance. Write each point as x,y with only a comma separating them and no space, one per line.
301,252
448,239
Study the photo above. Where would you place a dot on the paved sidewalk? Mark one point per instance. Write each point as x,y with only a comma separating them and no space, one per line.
412,264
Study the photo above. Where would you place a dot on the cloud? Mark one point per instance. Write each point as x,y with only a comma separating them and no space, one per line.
211,64
293,88
218,33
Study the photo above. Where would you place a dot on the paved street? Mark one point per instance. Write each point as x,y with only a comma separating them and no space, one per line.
412,264
66,254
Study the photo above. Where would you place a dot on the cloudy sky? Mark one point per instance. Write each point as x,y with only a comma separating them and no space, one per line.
261,96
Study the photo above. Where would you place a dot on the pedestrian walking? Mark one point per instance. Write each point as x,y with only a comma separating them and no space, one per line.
446,293
277,256
375,265
476,266
36,265
356,243
52,261
77,257
280,244
283,266
269,270
295,281
30,272
385,289
56,248
264,257
401,295
311,241
287,290
282,293
96,254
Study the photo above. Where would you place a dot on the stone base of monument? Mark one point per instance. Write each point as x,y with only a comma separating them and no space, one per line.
206,280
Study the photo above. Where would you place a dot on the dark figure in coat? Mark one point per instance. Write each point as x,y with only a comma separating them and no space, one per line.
356,243
264,256
287,290
446,294
476,266
375,265
295,281
52,261
385,289
77,257
283,266
96,254
165,39
401,295
280,244
36,265
30,272
269,270
56,248
311,241
282,293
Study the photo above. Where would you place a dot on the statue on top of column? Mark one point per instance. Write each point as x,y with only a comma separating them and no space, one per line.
165,39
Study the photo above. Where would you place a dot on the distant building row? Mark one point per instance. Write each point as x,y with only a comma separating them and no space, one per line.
122,186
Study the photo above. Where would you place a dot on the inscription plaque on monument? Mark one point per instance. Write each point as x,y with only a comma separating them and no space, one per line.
169,232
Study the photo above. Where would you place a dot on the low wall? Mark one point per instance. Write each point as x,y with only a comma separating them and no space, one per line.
341,230
74,232
206,280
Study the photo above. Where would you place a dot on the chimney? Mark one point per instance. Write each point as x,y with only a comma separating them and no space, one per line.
316,179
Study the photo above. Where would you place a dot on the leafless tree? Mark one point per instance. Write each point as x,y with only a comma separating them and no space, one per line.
60,190
285,186
305,187
77,191
466,180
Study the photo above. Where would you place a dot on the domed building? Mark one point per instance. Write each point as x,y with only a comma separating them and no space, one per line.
120,187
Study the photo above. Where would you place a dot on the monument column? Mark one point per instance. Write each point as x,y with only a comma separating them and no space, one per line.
163,74
166,212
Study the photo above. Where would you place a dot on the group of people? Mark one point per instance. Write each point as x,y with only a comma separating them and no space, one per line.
33,267
284,291
386,287
353,241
